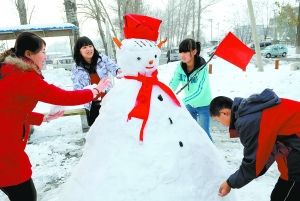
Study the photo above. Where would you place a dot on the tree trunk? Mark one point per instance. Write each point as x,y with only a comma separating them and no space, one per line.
168,26
185,22
71,14
21,7
199,20
194,16
120,18
137,6
101,31
255,39
298,33
112,28
108,18
172,25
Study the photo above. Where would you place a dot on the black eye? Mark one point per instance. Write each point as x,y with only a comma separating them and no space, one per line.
139,58
155,56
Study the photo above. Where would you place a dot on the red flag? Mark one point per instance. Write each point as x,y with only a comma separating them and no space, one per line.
234,51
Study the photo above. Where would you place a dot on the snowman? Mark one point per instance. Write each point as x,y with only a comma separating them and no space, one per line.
145,146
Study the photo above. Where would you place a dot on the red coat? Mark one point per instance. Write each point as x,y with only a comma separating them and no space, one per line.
20,90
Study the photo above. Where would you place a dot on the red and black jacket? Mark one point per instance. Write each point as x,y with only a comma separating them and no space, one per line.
269,130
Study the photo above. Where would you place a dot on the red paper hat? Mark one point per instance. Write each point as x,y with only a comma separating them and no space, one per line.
141,26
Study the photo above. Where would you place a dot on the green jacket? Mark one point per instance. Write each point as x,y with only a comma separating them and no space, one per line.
197,93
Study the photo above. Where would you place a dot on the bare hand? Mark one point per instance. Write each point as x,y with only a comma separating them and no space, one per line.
224,189
52,116
104,84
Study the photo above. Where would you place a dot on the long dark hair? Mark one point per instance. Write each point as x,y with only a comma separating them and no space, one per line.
78,58
25,41
188,45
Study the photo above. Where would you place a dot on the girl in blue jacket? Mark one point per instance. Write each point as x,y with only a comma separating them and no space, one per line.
197,93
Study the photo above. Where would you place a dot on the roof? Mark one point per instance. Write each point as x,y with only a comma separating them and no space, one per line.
50,30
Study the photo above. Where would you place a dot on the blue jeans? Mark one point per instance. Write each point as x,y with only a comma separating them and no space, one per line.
201,115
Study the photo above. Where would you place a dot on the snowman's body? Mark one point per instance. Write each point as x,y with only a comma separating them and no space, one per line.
175,162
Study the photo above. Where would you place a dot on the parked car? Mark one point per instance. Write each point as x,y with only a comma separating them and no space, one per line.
262,45
173,54
274,51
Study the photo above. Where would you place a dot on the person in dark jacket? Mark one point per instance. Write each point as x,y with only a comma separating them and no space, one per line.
21,87
269,130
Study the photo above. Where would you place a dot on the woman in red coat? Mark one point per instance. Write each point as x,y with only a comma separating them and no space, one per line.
21,87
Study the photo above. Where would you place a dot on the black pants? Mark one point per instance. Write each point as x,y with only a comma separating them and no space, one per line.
24,191
93,113
286,191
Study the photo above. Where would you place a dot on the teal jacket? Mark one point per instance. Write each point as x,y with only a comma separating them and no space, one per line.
197,93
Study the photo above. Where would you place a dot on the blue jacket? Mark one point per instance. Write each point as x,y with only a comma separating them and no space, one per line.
198,92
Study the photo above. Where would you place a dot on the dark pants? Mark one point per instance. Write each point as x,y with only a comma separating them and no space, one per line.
286,191
93,113
24,191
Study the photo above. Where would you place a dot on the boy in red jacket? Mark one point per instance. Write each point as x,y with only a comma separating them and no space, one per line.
269,129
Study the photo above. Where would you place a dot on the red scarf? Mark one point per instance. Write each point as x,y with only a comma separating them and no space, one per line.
142,103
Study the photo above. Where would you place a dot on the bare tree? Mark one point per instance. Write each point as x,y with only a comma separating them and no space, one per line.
108,18
120,17
21,7
263,16
137,5
71,14
183,19
172,16
23,10
241,24
95,9
194,16
287,22
264,9
199,19
2,46
92,9
201,9
30,15
298,32
186,18
128,6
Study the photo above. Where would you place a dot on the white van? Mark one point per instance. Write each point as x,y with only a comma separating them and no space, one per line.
173,55
65,62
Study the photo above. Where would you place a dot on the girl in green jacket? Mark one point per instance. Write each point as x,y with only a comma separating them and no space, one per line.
197,92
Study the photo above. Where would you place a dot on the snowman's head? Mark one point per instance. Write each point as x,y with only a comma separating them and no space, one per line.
138,52
138,56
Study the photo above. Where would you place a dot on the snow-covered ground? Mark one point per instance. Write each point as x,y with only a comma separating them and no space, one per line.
55,147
